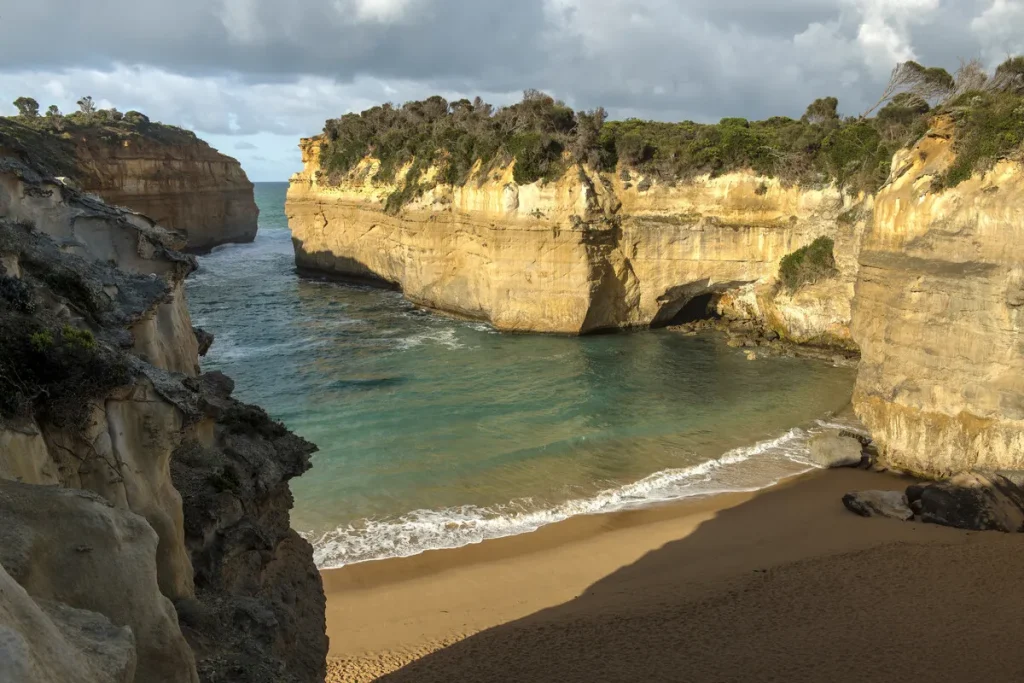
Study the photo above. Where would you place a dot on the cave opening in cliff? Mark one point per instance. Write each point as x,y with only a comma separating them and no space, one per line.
701,307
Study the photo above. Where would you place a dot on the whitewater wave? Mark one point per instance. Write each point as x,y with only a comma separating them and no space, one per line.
749,468
444,337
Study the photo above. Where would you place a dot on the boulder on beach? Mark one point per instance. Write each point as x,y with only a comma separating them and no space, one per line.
975,500
832,449
892,504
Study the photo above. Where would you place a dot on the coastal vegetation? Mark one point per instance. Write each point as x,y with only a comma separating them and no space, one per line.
808,264
543,136
49,136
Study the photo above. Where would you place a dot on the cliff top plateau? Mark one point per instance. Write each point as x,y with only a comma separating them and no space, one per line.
162,171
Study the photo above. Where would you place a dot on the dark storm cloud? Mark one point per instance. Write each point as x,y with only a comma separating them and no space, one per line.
267,40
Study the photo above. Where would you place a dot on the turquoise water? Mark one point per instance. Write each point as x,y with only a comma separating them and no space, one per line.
435,432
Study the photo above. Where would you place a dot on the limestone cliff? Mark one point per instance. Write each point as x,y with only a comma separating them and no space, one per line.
938,315
931,278
186,186
161,171
143,511
583,253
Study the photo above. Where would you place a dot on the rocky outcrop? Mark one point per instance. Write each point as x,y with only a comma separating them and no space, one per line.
583,253
48,641
832,450
978,501
891,504
182,185
164,172
984,501
929,286
139,494
938,316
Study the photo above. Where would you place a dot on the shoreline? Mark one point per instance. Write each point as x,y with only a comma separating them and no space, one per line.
407,612
652,491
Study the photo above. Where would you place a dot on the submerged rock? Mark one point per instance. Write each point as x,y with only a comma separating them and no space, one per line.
892,504
832,449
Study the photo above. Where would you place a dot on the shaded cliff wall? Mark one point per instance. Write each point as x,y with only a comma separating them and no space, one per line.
938,315
583,253
175,494
186,186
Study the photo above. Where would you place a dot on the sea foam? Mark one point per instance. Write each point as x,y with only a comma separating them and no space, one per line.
748,468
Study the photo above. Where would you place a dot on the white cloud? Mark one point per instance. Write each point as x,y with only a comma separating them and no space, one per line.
383,11
1000,30
884,32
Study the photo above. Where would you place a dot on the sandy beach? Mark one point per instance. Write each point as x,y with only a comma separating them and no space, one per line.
782,584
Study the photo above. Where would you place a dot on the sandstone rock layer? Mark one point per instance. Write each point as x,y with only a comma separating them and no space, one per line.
938,314
586,252
186,186
146,519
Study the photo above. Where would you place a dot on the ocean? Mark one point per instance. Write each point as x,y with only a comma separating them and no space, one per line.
436,432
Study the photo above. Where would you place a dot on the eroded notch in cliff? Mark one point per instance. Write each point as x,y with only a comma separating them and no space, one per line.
691,302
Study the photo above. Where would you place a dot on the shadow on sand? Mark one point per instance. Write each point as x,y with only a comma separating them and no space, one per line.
822,597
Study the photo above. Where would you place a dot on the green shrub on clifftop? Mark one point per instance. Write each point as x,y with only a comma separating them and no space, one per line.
542,136
989,126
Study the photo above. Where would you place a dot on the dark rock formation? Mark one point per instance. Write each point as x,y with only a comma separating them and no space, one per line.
259,608
892,504
980,501
976,501
204,339
133,490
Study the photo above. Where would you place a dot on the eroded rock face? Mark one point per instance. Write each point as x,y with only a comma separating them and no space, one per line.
936,315
188,187
43,641
250,566
71,547
194,483
583,253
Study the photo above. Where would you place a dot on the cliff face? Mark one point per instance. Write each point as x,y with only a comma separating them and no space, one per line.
186,186
161,171
583,253
938,315
932,279
159,547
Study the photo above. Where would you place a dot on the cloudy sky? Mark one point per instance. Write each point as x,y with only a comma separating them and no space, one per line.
252,76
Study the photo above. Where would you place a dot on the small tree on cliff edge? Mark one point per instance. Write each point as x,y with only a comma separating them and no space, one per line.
86,105
27,107
931,84
822,111
55,118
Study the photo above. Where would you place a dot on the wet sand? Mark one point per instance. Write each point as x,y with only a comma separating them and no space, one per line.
783,584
